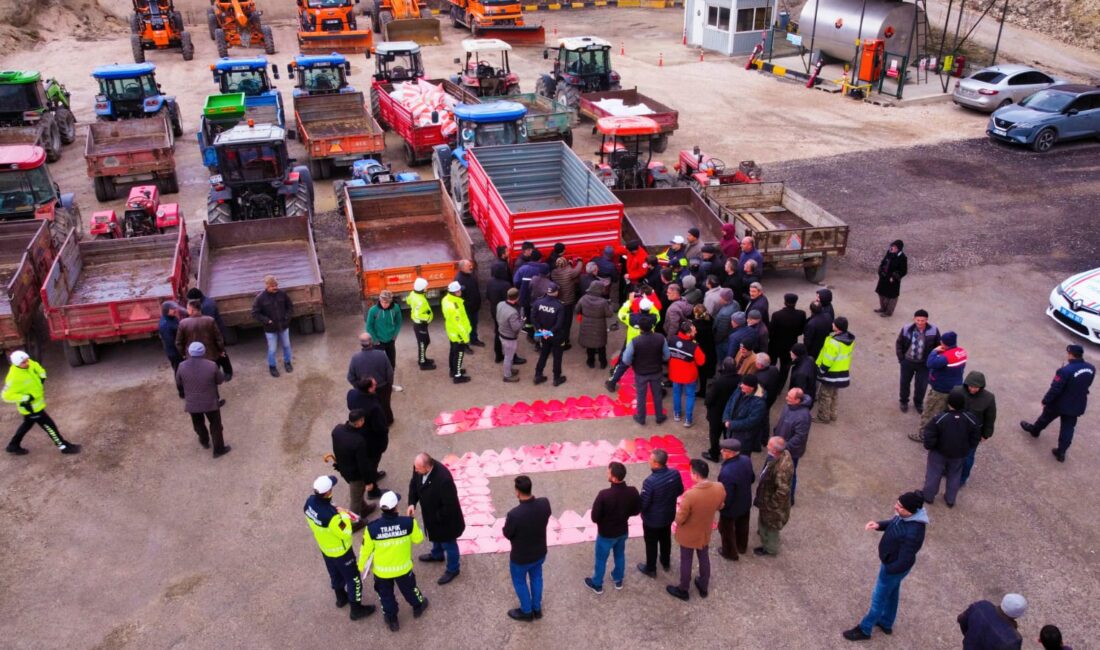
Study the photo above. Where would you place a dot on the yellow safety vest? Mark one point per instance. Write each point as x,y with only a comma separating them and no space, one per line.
23,382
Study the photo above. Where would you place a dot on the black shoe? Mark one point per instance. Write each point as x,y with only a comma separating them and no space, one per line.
558,381
537,613
221,403
598,589
70,448
341,597
218,453
428,557
289,366
393,624
677,592
652,573
566,346
759,550
1059,455
376,493
639,420
904,407
702,592
660,419
949,504
591,363
17,450
610,386
447,577
417,611
498,360
469,350
885,630
359,611
479,344
603,365
228,377
518,360
920,408
427,366
205,444
856,634
1029,427
518,615
274,371
461,379
666,567
707,455
539,379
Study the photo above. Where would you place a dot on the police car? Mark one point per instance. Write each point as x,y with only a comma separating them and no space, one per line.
1075,304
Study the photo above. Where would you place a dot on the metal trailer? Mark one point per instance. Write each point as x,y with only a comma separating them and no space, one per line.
131,151
392,114
26,253
667,118
234,258
111,290
655,216
336,130
543,193
789,230
404,231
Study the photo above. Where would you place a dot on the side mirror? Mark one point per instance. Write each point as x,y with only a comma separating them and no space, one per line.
367,53
289,69
1072,111
546,53
347,67
435,117
275,70
458,61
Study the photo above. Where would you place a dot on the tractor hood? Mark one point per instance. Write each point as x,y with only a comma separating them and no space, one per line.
127,71
241,63
490,112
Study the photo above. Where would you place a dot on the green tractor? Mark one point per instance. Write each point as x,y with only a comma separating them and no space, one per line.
35,112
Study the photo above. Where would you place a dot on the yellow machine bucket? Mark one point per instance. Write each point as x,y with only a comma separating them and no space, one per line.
422,31
520,36
348,42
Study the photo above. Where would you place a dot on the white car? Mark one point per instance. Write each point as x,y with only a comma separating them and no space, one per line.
1075,305
991,88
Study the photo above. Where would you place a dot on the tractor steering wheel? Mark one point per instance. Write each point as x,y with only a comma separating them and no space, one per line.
715,166
484,69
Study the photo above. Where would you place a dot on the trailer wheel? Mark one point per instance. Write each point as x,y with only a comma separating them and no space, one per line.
661,143
319,323
87,354
568,95
66,123
410,155
376,108
170,184
269,40
816,274
338,190
211,22
305,325
72,355
102,191
459,192
186,46
567,138
220,43
230,336
53,143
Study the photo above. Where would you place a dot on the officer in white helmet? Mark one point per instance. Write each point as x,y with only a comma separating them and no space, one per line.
458,330
420,312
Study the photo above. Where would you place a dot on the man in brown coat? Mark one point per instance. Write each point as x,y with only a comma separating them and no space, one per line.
773,496
197,379
201,329
694,521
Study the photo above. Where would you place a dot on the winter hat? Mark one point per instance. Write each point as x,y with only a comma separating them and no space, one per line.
841,323
694,232
420,284
710,249
726,294
169,305
754,314
1075,350
825,296
739,318
956,399
750,380
800,349
949,339
1014,605
389,500
733,444
559,248
553,289
899,243
196,349
974,379
454,287
324,483
912,501
19,357
689,282
790,299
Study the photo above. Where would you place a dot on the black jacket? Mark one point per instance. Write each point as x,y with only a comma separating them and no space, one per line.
891,270
273,310
952,433
659,493
784,330
817,330
613,507
548,313
985,627
760,304
353,458
1069,390
375,429
500,281
772,381
905,341
804,375
901,541
525,527
718,393
737,476
471,292
439,505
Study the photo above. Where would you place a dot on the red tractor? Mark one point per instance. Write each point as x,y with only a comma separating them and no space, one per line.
144,215
626,154
700,169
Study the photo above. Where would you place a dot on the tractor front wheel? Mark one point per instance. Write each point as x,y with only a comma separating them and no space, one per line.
211,22
459,192
220,43
544,86
135,24
53,142
218,212
171,184
135,46
186,46
269,40
66,123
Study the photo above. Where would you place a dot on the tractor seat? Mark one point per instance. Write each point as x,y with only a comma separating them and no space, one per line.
324,82
624,160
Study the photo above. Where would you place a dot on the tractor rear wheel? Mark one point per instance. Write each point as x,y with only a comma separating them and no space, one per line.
376,108
459,192
410,155
218,212
338,190
170,184
438,170
211,22
305,325
544,87
72,354
186,46
300,205
53,142
220,43
660,144
135,24
373,12
567,138
306,178
568,95
135,46
66,123
269,40
87,354
319,323
176,18
815,274
174,118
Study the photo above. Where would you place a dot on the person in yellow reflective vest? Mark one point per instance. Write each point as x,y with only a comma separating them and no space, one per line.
389,539
23,387
833,364
457,324
631,317
420,313
331,528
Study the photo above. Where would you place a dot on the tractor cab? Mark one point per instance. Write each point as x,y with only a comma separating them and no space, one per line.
28,192
487,72
22,97
144,215
492,123
156,25
132,90
583,63
245,75
626,153
320,74
701,169
398,61
255,178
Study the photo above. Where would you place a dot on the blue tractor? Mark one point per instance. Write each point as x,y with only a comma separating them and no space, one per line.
263,103
479,125
369,171
255,178
130,91
320,74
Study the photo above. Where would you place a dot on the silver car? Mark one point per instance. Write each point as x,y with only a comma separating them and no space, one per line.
991,88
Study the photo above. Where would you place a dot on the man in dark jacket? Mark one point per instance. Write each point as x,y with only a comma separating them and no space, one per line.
209,307
794,427
746,416
893,267
803,370
737,477
500,281
525,528
196,327
197,380
375,431
754,320
646,353
902,538
784,330
982,404
273,309
946,365
167,327
768,377
915,342
1066,400
660,490
986,626
471,295
355,464
611,510
371,362
522,281
824,297
949,437
548,316
818,328
433,487
718,394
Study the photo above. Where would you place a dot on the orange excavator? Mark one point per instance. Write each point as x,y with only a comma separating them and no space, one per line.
502,19
236,23
331,26
405,20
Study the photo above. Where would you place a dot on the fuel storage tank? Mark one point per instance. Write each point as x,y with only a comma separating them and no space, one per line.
838,26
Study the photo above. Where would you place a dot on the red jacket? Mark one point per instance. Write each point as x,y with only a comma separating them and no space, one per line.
685,358
636,265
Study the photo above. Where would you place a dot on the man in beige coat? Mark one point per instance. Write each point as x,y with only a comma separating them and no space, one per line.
694,523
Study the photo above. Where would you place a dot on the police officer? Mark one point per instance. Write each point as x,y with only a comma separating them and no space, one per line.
390,539
1066,400
420,312
548,317
331,527
23,387
457,324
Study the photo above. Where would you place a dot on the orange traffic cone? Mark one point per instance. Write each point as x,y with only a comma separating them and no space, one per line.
660,59
685,39
700,54
622,48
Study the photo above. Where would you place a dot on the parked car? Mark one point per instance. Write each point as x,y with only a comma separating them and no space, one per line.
991,88
1075,305
1058,113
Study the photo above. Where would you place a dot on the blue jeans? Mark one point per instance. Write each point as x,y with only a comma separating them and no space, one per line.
274,338
884,601
530,598
968,464
604,546
689,408
451,550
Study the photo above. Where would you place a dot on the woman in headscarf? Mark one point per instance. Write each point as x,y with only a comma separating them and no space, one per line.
891,270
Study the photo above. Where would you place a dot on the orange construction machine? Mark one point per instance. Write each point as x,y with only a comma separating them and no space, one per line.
156,25
405,20
331,26
501,19
236,23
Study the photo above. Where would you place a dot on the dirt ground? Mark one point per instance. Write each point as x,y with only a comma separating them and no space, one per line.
144,541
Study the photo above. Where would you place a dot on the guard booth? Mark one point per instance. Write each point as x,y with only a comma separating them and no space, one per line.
730,27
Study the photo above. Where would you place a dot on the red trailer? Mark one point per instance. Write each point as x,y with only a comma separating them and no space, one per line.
542,193
392,114
111,290
621,103
26,253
